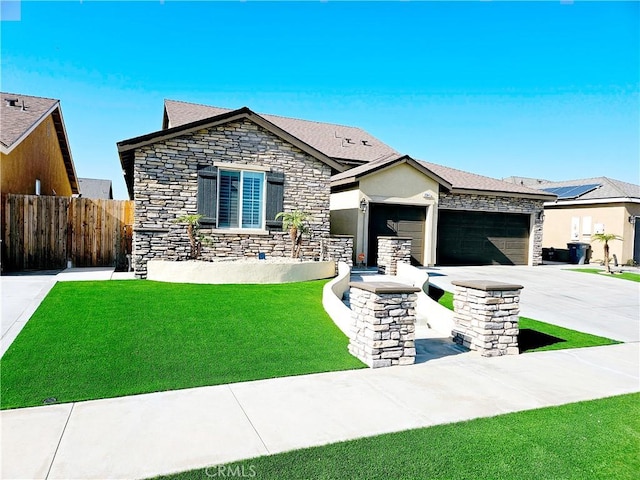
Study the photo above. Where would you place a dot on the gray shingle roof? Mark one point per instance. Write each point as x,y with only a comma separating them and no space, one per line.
610,188
335,141
95,188
461,180
15,122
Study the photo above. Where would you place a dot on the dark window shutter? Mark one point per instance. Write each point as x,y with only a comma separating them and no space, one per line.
275,199
207,194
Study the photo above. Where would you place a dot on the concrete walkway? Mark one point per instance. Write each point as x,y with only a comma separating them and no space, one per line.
146,435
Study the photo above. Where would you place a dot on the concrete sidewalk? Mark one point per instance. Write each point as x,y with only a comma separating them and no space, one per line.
146,435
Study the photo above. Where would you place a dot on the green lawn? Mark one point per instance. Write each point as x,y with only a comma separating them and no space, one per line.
536,336
91,340
634,277
599,439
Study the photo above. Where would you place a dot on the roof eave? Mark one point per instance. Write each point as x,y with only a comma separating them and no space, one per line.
592,201
502,193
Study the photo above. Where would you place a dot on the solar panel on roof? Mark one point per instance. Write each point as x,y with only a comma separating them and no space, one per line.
571,191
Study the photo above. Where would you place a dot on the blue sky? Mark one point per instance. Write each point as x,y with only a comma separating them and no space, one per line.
539,89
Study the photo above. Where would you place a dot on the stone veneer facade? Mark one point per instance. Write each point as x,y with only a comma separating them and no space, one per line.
495,203
166,187
338,248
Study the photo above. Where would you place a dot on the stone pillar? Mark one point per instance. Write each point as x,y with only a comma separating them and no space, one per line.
383,318
338,248
486,317
392,250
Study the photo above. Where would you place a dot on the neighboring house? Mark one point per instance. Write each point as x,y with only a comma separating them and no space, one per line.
239,169
34,148
96,188
592,205
453,217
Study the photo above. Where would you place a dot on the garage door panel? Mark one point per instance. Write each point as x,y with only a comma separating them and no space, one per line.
482,238
397,220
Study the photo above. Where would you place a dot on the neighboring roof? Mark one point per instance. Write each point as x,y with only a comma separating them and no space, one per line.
609,189
95,188
469,182
126,148
354,174
335,141
21,114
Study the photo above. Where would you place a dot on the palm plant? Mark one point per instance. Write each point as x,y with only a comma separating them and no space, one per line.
295,222
193,229
605,238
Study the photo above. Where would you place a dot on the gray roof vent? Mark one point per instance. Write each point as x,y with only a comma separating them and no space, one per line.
12,102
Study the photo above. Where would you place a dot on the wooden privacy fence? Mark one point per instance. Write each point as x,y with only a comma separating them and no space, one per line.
41,232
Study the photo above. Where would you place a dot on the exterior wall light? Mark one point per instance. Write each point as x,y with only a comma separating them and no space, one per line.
541,216
632,219
363,205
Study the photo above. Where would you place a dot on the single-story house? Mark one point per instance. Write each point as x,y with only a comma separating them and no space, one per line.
239,169
35,157
591,205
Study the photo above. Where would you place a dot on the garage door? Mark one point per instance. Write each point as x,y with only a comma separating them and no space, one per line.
397,221
481,238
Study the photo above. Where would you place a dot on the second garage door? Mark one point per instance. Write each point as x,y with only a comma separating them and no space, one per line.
482,238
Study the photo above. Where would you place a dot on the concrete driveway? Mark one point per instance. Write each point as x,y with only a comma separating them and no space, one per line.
595,304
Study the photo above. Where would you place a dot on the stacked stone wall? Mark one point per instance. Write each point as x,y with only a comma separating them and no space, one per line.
382,330
494,203
166,187
338,248
392,250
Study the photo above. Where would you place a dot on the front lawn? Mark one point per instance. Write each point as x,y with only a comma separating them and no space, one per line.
90,340
536,336
598,439
633,277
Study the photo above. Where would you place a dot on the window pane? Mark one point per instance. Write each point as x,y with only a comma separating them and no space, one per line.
252,186
228,201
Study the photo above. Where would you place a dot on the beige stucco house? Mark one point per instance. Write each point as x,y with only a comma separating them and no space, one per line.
594,205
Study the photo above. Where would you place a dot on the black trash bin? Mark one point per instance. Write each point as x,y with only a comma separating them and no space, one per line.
578,253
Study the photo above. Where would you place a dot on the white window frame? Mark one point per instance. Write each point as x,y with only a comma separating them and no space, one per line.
225,167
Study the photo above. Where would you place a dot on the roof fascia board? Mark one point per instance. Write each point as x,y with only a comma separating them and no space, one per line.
497,193
7,150
595,201
65,139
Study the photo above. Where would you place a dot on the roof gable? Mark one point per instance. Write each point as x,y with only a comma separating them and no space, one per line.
126,148
355,174
336,141
21,114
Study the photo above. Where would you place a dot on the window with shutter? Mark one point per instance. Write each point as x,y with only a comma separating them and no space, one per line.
208,194
240,198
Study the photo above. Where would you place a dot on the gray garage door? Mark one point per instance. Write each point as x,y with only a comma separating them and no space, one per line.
397,221
481,238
